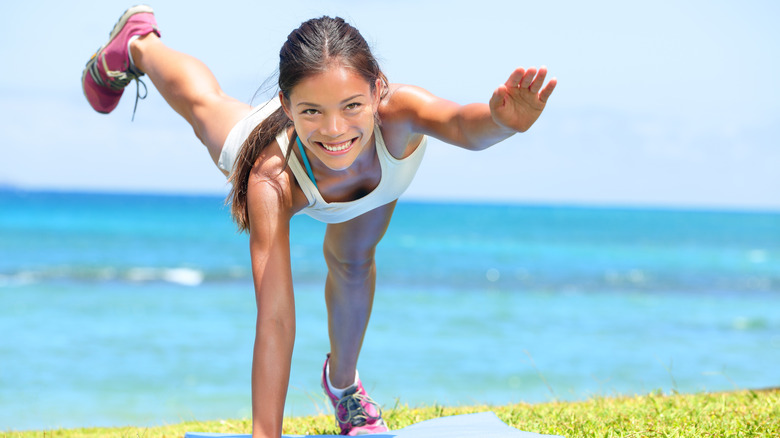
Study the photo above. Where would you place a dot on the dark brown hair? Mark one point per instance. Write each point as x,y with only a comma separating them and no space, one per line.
315,46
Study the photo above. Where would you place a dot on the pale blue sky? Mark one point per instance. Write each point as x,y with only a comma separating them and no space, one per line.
661,103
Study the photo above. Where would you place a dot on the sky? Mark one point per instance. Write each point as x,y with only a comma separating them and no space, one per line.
662,103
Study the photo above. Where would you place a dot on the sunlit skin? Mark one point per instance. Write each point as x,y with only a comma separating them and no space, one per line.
333,113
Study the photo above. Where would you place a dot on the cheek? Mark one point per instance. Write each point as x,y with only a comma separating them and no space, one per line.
368,118
303,127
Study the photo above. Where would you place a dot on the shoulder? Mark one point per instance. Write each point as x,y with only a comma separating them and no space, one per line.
271,188
409,112
399,116
406,107
403,101
415,107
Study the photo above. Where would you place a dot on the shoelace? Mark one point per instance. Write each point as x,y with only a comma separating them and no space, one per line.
355,412
119,80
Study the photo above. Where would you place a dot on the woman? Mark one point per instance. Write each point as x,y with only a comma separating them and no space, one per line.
358,143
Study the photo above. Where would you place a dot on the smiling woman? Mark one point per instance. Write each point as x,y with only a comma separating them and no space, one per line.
331,124
361,140
337,131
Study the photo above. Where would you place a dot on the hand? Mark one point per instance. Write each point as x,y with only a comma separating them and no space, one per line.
518,102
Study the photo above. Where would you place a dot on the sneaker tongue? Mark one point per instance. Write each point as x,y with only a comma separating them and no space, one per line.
350,391
354,407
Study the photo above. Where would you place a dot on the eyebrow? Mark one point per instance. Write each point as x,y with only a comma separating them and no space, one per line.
341,103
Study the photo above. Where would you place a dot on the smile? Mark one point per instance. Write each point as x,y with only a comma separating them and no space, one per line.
337,147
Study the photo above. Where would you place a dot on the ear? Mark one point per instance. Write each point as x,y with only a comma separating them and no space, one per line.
377,93
285,105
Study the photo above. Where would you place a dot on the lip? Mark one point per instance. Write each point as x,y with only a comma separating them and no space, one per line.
337,148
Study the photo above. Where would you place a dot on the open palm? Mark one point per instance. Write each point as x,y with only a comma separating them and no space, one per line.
518,102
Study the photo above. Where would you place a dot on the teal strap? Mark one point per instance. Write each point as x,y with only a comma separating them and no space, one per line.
306,161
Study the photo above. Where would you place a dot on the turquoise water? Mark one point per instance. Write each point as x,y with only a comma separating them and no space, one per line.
122,309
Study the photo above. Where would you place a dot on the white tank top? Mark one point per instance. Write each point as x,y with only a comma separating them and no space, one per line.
396,177
396,174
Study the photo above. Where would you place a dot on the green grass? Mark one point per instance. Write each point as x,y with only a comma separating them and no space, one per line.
730,414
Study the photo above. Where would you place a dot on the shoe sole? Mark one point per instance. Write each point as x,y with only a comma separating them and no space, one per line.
138,9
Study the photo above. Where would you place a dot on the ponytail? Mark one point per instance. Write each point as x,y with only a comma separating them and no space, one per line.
264,134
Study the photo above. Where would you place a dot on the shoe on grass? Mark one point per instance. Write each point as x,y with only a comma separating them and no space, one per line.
356,412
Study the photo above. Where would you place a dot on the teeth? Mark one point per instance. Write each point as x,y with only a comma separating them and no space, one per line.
337,147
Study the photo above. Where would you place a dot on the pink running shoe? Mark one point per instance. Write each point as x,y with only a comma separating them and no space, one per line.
356,413
109,70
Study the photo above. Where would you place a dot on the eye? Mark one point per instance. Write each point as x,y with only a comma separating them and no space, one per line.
310,112
353,106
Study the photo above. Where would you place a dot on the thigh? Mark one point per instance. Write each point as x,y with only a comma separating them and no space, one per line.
214,118
355,241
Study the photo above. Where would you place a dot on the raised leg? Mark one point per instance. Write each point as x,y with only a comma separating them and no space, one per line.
190,89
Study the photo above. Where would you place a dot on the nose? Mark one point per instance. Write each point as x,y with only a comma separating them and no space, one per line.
333,126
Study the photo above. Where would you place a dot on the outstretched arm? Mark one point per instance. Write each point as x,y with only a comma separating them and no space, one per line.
514,107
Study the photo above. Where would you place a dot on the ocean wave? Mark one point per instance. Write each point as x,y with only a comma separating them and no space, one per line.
184,276
609,280
744,323
493,278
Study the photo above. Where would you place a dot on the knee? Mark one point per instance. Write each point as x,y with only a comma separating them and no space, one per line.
350,266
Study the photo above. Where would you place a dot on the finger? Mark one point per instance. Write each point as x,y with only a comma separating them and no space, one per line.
547,90
515,78
538,81
528,77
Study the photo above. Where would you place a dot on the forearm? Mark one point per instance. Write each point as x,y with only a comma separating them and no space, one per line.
514,107
274,329
273,348
477,128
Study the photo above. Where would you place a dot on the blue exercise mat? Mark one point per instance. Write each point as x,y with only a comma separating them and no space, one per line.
481,425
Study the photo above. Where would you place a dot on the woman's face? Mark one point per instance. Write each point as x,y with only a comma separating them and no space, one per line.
333,113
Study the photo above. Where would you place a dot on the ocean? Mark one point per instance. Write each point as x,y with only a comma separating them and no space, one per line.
120,309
